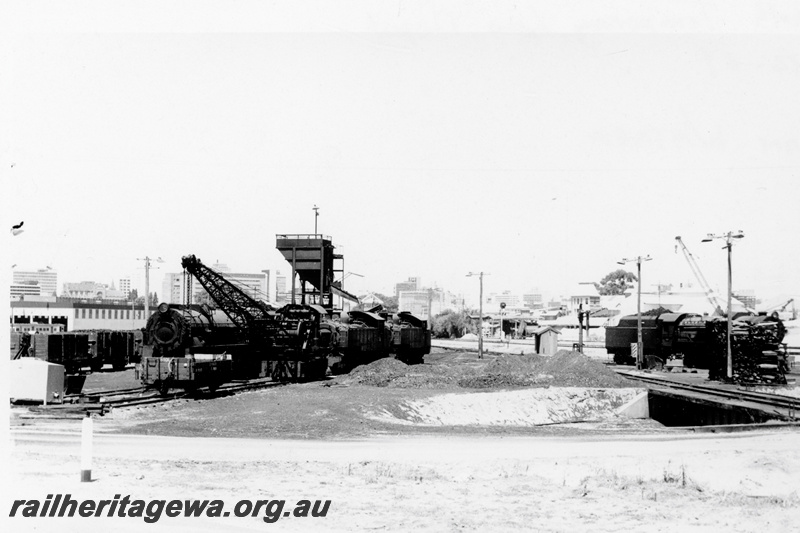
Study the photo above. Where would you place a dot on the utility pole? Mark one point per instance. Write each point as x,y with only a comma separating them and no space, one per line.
480,312
729,236
316,216
430,314
147,268
639,343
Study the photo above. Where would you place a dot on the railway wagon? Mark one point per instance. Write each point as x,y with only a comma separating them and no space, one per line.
363,337
115,348
68,349
189,373
411,338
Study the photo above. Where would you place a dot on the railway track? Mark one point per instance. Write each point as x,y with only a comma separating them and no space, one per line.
100,402
95,396
774,401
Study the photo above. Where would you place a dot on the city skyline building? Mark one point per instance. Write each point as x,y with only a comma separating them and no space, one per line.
46,278
281,296
92,290
412,284
533,299
173,285
125,286
30,288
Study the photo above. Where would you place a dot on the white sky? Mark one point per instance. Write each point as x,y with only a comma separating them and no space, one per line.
535,143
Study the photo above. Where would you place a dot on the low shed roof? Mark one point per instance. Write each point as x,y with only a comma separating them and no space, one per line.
545,329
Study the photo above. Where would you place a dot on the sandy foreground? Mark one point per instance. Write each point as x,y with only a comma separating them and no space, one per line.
638,482
409,455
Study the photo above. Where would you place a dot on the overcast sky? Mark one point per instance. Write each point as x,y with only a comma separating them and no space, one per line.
541,155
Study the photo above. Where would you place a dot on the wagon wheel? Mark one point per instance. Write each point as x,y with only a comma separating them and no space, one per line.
163,388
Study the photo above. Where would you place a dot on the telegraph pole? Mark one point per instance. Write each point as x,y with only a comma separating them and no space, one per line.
639,343
480,312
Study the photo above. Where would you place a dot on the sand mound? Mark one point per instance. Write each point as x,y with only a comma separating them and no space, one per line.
529,407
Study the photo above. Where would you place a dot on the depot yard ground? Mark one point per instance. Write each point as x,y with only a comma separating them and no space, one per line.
455,444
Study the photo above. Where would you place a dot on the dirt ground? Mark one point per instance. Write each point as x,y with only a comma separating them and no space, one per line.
428,449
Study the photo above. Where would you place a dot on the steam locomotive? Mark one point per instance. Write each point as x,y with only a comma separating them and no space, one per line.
188,347
759,353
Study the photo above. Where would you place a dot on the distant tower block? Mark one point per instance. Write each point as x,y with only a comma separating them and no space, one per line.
312,258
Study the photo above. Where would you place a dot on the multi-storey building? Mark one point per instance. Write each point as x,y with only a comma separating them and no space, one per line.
423,303
125,287
427,303
31,288
174,286
533,300
281,296
413,284
47,279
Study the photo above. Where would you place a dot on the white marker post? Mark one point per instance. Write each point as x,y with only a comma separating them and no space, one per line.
86,448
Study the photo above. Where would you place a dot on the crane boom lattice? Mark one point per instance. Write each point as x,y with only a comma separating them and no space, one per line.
701,279
246,312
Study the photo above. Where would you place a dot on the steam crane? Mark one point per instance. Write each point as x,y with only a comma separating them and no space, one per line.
288,345
698,274
247,313
778,310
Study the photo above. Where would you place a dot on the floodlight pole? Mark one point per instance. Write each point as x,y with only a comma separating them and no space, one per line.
729,245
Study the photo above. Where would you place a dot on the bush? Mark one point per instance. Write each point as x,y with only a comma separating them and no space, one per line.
452,324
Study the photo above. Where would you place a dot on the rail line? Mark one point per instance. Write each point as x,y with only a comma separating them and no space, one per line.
101,402
761,398
95,395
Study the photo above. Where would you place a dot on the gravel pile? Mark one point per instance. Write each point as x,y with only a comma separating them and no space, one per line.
377,374
507,371
573,369
564,369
